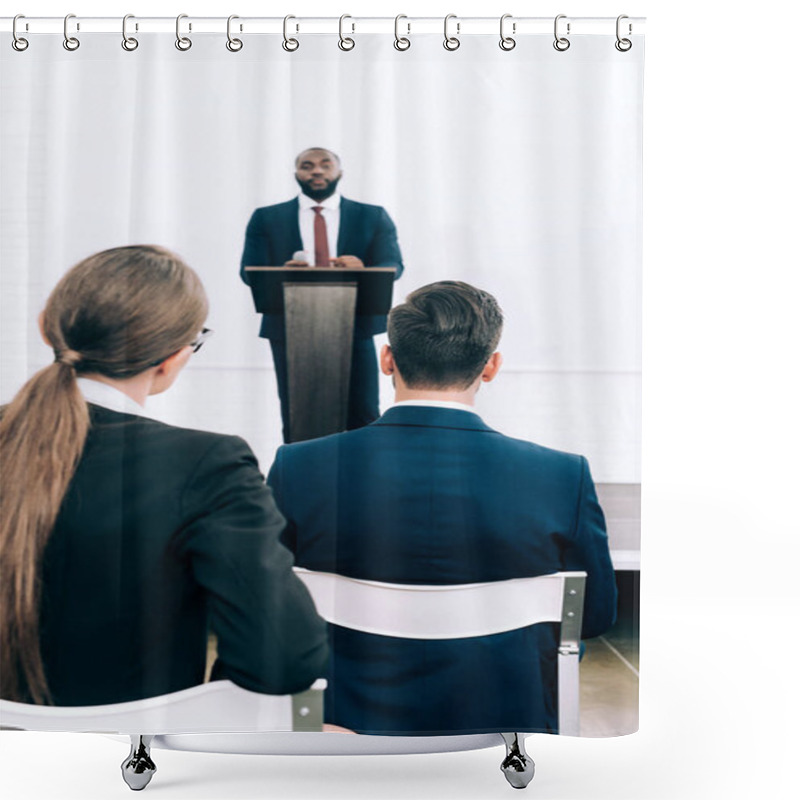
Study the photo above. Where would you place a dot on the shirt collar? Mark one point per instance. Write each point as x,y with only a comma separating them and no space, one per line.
105,395
331,202
435,404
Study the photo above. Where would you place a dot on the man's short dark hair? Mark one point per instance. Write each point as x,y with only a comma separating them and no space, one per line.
443,335
322,149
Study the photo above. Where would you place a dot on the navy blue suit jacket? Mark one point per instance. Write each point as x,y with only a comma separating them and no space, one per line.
366,231
434,496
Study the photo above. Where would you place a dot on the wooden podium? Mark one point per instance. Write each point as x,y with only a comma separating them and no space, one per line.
319,307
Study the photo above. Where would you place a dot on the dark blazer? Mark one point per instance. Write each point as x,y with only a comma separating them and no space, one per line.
434,496
366,231
163,534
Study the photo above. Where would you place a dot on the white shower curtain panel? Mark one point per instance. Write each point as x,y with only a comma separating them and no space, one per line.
519,172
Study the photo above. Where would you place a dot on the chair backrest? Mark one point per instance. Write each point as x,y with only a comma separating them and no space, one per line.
459,611
216,707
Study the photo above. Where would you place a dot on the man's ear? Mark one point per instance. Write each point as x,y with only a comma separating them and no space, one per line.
387,361
492,367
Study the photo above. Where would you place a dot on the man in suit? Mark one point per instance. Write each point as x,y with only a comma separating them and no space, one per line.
430,494
321,228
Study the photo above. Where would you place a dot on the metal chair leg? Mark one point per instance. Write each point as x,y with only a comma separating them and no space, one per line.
517,766
138,768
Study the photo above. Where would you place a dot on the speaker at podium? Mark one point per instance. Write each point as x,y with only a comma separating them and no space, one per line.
319,307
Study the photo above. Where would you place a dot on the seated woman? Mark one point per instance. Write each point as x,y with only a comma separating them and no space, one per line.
124,540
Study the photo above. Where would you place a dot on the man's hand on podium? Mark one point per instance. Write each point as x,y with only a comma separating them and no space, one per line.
299,259
351,262
347,261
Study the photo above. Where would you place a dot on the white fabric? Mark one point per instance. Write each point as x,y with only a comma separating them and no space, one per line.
435,404
107,396
330,211
518,172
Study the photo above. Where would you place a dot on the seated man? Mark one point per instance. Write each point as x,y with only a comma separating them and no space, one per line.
430,494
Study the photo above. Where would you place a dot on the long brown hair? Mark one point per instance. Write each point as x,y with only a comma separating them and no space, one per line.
116,313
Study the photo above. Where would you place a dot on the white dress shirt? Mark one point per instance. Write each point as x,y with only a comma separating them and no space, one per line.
436,404
105,395
330,212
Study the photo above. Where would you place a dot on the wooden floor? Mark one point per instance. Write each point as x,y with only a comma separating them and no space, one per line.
610,670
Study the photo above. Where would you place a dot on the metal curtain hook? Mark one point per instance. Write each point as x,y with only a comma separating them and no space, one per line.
401,42
183,43
561,43
506,42
345,42
17,42
290,45
233,44
70,42
451,42
623,45
128,42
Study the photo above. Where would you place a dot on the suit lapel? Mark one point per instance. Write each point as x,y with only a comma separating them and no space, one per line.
290,228
348,224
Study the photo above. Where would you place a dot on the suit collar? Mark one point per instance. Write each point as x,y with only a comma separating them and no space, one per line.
433,417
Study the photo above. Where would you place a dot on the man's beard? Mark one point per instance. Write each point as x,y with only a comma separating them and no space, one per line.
318,194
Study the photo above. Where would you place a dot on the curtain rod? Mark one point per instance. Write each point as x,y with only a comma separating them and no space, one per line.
462,26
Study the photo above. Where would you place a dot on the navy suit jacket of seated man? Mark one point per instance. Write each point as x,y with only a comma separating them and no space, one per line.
358,235
430,494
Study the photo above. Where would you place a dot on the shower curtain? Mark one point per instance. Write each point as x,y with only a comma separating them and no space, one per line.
515,168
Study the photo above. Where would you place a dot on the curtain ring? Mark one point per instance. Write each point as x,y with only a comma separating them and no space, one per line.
289,45
128,42
623,45
506,42
345,42
17,42
70,42
561,43
183,43
401,42
451,42
233,44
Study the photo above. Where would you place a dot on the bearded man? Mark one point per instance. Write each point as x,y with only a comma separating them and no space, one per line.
321,228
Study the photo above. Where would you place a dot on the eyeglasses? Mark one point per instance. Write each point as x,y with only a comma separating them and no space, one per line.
195,345
204,334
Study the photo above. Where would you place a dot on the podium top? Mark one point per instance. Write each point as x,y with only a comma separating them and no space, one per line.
374,285
347,274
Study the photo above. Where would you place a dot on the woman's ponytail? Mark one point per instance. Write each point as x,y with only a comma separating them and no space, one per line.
115,314
42,433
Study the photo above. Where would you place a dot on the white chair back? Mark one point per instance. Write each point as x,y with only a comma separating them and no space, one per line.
217,707
465,610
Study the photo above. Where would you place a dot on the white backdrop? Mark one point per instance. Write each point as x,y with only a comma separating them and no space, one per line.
517,171
720,695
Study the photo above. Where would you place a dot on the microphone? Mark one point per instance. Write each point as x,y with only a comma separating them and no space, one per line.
301,255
